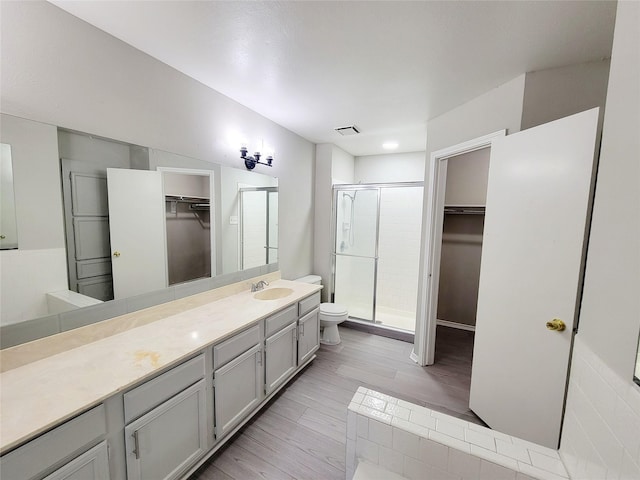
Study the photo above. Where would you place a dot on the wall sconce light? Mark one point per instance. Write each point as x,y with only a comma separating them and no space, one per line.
251,162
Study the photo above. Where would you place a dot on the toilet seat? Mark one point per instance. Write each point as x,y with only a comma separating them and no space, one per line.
333,309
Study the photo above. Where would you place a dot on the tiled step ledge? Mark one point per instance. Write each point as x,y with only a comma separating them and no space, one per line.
420,444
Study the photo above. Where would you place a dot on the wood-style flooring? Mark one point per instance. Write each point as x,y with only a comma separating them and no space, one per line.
301,433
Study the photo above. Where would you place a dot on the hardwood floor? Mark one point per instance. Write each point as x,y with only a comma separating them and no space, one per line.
301,433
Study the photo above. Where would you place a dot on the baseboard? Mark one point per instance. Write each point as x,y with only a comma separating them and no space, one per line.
459,326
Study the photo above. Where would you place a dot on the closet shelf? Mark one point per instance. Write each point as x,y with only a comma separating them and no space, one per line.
464,209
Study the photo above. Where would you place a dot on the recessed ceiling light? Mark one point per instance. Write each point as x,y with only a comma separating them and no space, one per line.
390,145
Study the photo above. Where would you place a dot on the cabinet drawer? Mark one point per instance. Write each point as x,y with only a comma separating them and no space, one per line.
307,304
54,446
152,393
236,345
280,320
91,465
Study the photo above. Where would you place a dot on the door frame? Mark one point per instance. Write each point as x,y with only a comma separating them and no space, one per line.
201,173
433,219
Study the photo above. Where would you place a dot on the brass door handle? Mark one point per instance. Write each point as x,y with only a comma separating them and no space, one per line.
116,254
556,324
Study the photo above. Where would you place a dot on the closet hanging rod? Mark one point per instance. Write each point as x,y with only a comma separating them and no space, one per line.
199,206
185,199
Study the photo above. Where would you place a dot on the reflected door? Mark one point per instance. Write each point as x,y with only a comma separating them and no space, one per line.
355,250
136,224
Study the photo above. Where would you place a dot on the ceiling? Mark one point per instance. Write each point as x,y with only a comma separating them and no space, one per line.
385,66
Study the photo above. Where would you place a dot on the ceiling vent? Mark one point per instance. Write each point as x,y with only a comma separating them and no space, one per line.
346,131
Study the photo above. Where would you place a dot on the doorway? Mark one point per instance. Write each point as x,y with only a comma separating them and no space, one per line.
424,347
539,198
462,232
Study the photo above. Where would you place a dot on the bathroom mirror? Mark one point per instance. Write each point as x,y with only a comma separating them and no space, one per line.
8,228
54,253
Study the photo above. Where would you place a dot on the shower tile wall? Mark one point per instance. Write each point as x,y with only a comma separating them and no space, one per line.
399,251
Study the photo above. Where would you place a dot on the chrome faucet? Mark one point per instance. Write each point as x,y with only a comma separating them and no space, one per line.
259,286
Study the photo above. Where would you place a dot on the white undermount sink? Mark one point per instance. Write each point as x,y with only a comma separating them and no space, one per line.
273,293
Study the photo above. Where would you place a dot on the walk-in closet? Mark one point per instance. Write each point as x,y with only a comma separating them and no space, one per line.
465,199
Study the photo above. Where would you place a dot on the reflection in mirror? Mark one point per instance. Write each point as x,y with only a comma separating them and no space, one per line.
53,299
8,228
258,226
188,225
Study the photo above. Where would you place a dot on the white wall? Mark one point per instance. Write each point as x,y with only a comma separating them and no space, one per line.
333,165
495,110
467,178
391,167
557,92
39,264
342,166
600,433
59,70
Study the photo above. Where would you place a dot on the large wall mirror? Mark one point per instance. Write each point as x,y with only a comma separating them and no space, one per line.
117,221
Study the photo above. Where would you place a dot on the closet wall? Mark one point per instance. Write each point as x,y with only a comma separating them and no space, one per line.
465,197
188,227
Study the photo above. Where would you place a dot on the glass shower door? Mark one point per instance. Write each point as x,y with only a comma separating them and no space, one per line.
355,250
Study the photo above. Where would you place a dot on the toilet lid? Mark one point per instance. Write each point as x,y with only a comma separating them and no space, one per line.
333,309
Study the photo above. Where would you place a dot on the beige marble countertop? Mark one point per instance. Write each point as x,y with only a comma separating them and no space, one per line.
38,395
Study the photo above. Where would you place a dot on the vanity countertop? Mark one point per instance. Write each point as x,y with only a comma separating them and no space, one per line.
36,396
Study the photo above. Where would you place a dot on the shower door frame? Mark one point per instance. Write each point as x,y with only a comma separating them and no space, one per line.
334,232
267,246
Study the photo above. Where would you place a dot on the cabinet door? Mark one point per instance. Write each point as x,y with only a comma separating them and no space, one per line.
237,389
280,357
91,465
164,442
308,335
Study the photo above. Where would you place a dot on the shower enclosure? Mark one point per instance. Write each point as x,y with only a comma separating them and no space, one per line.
258,226
376,251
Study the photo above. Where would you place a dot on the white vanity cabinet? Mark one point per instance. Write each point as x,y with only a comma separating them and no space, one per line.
280,347
64,449
91,465
308,327
308,335
170,421
237,378
164,442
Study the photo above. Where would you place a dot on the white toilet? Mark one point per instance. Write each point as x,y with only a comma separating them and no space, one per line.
331,314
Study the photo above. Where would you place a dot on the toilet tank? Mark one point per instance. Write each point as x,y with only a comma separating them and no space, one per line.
315,279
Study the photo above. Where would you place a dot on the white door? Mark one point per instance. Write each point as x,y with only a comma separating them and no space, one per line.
136,226
533,248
